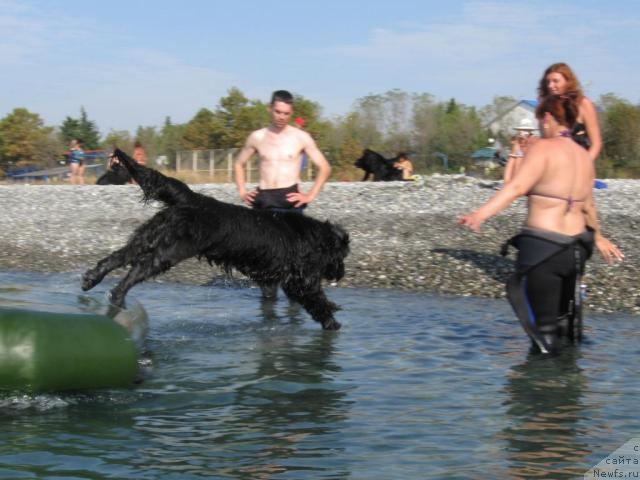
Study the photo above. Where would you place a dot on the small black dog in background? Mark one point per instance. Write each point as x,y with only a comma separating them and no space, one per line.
381,168
115,175
293,250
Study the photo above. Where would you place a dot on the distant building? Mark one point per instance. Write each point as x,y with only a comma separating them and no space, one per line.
522,112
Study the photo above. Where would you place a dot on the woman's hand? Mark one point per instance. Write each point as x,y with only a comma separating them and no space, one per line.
472,221
608,250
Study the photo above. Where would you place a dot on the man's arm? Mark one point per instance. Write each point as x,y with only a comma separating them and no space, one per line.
239,169
322,175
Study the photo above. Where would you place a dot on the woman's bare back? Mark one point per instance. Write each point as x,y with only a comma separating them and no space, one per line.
557,199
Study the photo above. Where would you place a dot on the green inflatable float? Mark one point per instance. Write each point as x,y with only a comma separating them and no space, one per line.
46,351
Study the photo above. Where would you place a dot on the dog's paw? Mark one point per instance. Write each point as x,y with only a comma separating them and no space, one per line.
88,281
116,299
331,325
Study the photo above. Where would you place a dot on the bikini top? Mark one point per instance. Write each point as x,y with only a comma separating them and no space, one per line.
570,200
580,136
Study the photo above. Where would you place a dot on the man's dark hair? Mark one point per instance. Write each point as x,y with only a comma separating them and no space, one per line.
282,96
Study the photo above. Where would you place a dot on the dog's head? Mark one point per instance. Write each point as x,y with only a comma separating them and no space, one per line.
369,161
338,241
116,175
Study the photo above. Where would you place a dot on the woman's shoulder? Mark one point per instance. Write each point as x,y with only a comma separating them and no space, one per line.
585,102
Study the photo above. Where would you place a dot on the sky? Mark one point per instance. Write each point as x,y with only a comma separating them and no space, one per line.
133,63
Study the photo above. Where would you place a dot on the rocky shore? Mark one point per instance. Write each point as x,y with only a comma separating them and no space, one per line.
403,234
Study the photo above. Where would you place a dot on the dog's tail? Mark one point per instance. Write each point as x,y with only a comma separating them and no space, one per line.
156,186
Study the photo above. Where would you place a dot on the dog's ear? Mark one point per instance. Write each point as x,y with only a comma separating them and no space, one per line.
340,233
122,156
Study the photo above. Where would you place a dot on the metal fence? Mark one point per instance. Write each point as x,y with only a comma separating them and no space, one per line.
218,164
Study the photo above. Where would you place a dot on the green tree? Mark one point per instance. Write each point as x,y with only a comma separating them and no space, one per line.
238,117
319,129
118,139
621,133
425,126
350,146
203,131
170,141
459,133
25,140
81,128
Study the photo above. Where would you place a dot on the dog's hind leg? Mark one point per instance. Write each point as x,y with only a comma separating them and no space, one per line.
146,267
94,276
149,265
315,302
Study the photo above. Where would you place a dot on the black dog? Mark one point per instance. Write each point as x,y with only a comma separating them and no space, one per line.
381,168
286,248
115,175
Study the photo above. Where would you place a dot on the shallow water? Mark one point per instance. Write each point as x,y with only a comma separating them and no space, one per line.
413,386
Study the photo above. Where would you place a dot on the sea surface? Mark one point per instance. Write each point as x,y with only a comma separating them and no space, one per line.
413,387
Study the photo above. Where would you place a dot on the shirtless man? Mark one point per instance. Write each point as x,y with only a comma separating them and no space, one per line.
280,147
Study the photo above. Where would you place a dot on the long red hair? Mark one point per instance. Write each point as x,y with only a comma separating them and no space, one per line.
573,85
561,107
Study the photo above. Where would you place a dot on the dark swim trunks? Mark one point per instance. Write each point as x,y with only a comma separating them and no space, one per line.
275,199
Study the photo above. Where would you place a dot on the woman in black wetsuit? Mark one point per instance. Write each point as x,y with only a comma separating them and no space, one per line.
557,176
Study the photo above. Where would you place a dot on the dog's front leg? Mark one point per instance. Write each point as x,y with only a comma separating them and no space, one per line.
316,303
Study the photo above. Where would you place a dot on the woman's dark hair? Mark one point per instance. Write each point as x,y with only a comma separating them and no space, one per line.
282,96
563,108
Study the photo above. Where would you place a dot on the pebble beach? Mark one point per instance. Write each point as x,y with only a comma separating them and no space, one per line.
403,234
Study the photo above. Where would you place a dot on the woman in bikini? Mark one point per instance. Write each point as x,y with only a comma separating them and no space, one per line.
559,79
557,176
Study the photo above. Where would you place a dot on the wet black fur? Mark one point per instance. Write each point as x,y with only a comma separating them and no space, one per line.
116,175
293,250
381,168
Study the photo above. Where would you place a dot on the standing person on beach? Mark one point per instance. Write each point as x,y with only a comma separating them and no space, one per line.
279,148
139,155
559,79
553,246
76,162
